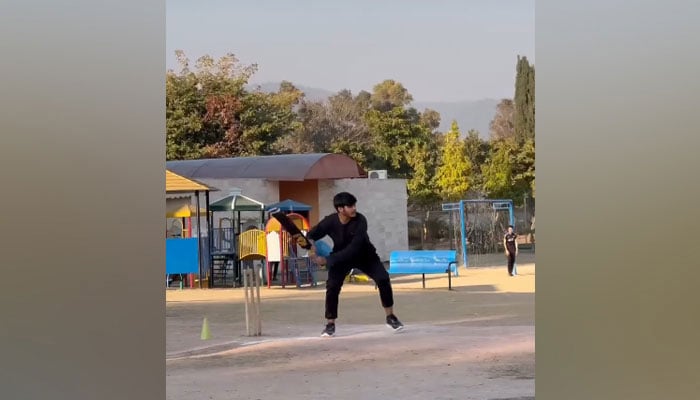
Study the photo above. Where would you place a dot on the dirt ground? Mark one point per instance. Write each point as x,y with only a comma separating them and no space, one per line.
474,342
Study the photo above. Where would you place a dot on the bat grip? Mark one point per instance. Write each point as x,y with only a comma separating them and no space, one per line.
306,245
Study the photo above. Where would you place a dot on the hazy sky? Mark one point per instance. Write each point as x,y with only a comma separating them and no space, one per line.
441,50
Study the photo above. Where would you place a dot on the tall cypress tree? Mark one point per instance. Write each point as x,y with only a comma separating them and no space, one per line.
524,100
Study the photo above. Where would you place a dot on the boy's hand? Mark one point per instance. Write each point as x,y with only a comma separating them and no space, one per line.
301,240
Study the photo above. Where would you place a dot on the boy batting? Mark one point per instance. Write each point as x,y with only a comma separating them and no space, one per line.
352,248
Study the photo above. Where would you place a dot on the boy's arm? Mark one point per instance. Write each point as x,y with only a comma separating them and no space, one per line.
319,231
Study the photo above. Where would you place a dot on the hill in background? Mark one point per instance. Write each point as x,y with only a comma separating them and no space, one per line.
469,114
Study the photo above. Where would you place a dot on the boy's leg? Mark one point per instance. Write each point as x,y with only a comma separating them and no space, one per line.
336,278
511,261
376,271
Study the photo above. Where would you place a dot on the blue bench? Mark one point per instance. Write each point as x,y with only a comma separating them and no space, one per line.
424,262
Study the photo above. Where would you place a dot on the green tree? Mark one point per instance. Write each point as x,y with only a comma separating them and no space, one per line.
509,172
394,134
510,169
524,100
498,170
390,94
453,175
397,132
186,134
525,125
209,112
201,103
423,159
524,168
477,151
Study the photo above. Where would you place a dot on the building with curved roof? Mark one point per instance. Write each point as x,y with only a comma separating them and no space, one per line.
312,179
283,167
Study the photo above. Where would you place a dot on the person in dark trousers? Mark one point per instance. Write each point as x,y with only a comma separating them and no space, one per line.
511,246
351,249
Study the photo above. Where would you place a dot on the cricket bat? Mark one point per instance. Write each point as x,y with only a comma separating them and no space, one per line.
322,249
289,226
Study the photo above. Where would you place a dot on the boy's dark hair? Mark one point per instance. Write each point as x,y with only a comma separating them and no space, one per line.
343,199
511,226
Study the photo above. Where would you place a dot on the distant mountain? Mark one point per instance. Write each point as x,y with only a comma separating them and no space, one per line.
469,114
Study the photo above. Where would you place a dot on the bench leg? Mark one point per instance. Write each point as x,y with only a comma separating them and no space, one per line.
449,274
423,281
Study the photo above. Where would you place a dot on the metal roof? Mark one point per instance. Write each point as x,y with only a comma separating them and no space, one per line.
283,167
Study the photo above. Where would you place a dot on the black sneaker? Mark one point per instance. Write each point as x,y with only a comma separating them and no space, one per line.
329,331
393,322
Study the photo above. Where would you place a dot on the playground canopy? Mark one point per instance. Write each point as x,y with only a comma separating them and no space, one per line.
175,183
289,205
237,202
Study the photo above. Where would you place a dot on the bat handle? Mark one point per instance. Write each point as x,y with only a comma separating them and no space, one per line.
306,245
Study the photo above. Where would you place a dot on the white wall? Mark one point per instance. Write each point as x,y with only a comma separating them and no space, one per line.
382,201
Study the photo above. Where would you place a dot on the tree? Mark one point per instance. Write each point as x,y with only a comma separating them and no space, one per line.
186,134
430,119
397,139
202,104
337,125
524,168
524,100
509,172
389,95
394,134
502,125
313,133
498,170
209,112
510,169
525,124
452,178
421,186
477,151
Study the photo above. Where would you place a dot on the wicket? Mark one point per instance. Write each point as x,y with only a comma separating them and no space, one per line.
251,284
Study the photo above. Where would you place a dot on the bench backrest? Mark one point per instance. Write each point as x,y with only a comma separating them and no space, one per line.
422,261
